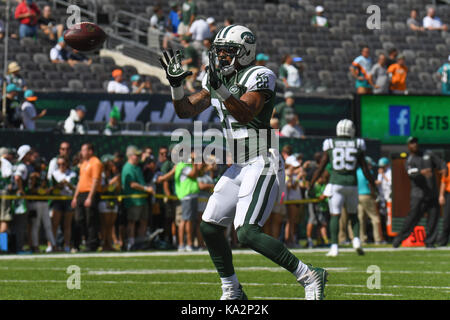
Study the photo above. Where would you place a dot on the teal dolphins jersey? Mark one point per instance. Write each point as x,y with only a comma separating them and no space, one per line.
246,141
343,153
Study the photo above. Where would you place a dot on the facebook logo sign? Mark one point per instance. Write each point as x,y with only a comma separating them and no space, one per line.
399,124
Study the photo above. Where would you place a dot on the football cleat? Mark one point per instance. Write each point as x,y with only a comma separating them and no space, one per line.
357,246
233,293
334,251
314,283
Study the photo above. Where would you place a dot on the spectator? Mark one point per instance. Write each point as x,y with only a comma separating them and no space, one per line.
212,27
2,29
384,182
38,185
379,76
158,20
413,23
288,73
228,22
206,186
59,54
6,173
86,198
109,208
444,72
360,71
49,25
147,153
27,12
293,176
76,56
275,125
28,111
189,11
136,208
398,73
173,18
444,200
204,58
284,109
13,115
392,57
292,129
138,86
14,76
367,206
20,179
75,122
198,32
64,151
261,59
318,212
113,127
63,182
318,20
431,22
189,62
117,85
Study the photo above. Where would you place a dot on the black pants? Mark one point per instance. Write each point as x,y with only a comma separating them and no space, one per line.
87,222
443,239
418,207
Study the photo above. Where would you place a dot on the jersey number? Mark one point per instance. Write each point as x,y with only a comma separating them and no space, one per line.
344,159
262,82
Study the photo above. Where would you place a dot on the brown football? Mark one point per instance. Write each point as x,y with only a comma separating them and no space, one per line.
85,36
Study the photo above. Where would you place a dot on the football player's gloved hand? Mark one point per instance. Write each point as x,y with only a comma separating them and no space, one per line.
214,80
172,65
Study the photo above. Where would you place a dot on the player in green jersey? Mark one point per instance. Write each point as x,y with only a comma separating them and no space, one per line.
345,153
243,96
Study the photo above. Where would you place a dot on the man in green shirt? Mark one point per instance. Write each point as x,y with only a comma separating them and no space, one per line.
188,13
113,127
284,109
136,208
189,62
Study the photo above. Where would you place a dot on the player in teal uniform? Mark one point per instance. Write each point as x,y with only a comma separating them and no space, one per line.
243,97
345,153
444,72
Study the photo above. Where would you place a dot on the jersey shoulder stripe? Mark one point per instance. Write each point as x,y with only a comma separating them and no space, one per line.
327,144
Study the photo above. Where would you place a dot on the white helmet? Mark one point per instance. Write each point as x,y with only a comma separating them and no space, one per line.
345,128
239,42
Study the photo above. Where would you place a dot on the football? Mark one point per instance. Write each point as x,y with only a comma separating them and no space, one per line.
85,36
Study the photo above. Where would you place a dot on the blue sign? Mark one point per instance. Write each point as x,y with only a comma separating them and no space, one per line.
399,121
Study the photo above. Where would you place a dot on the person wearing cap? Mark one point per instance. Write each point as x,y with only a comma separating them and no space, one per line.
444,73
117,85
20,186
6,172
212,27
137,210
14,77
139,86
319,20
424,195
284,109
199,31
367,207
27,12
86,198
59,54
13,116
189,61
261,59
288,73
113,127
28,111
397,73
75,122
444,200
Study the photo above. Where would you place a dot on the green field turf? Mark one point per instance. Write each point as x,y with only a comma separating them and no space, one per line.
405,274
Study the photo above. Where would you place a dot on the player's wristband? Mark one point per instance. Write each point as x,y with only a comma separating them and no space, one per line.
223,92
177,92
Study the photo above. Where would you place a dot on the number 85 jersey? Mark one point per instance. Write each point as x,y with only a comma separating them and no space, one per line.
343,153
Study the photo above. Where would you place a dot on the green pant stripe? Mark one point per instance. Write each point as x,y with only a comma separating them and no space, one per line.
266,199
255,197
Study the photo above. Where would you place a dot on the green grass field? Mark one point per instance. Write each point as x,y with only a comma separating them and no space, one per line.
405,274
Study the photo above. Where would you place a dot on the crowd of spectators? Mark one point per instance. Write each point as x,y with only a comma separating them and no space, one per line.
90,217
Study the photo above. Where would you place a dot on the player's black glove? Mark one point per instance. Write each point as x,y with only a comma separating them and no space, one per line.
172,65
213,78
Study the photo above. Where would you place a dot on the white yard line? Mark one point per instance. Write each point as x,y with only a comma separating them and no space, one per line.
373,294
199,253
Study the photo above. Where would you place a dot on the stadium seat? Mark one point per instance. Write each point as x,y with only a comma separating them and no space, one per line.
75,85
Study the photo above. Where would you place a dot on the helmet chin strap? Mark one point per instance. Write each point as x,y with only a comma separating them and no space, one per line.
228,69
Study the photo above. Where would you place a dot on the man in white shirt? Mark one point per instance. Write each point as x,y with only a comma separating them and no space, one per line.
431,22
199,31
64,151
59,54
74,123
6,169
292,129
288,73
318,20
28,111
117,85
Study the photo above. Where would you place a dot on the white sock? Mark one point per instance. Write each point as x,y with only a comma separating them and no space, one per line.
230,281
334,247
301,270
